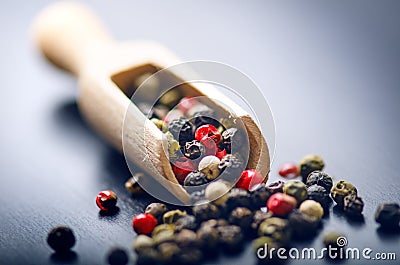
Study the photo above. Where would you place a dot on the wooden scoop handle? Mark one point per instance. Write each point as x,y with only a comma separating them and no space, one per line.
68,35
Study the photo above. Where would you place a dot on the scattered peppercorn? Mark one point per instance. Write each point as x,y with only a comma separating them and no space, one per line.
144,223
209,235
330,239
259,217
117,256
297,189
171,217
230,237
353,205
248,179
341,190
276,228
61,239
204,210
142,243
186,239
238,198
319,194
309,164
312,208
321,179
288,170
132,184
186,222
106,200
281,204
276,186
303,225
157,210
388,215
168,252
259,195
241,217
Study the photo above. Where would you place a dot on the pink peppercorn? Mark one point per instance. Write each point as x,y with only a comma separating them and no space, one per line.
289,170
281,204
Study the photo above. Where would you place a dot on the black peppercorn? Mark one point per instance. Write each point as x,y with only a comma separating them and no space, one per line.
168,252
242,217
353,205
197,196
231,167
61,239
309,164
117,256
303,225
186,222
182,130
186,239
204,117
388,215
229,136
276,187
194,181
259,217
132,184
276,228
321,179
208,236
238,198
319,194
150,256
157,210
204,210
194,149
230,237
341,190
259,195
190,256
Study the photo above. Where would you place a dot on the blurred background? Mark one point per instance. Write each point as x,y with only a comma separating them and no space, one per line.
330,71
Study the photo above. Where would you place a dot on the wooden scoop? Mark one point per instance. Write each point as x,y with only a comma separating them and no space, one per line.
71,37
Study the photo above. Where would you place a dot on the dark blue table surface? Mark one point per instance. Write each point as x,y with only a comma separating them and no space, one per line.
330,71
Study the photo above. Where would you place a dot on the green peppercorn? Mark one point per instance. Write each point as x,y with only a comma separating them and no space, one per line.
319,194
241,217
168,252
142,243
276,187
186,222
230,237
157,210
163,236
259,217
353,205
173,146
132,184
309,164
312,208
297,189
303,225
163,227
171,217
204,210
330,239
341,190
321,179
388,215
160,124
277,228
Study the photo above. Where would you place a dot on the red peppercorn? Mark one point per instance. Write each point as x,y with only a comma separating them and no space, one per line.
182,168
289,170
220,153
106,200
281,204
248,179
207,131
144,223
210,146
186,104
